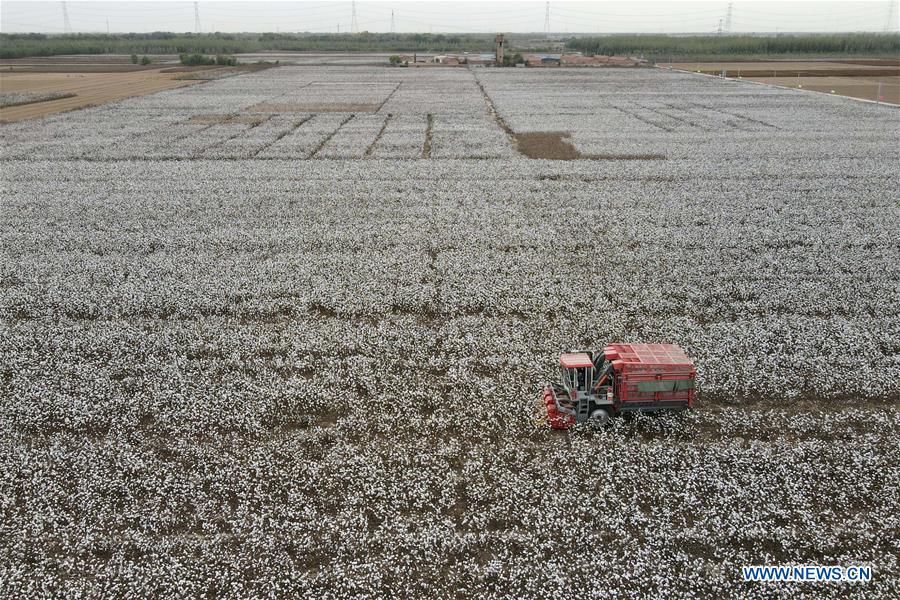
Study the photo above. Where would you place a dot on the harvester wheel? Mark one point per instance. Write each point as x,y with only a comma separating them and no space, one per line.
600,417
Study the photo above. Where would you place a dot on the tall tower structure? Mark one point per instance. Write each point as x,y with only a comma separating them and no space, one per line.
67,25
547,21
393,25
354,26
891,23
196,17
728,17
499,46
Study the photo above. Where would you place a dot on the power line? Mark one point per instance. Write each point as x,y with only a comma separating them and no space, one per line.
891,19
573,19
67,26
547,21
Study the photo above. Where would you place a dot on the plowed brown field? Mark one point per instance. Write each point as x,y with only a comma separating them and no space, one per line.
856,87
90,89
855,79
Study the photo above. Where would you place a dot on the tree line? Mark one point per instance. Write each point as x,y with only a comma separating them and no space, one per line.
663,47
660,47
36,44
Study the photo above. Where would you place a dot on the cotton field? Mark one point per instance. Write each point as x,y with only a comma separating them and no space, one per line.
283,334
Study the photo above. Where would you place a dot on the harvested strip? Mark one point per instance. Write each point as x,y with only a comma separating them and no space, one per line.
389,96
374,143
329,136
643,119
284,133
237,134
493,109
324,107
426,149
252,120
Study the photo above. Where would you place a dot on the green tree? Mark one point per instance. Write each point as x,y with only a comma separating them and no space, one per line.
510,60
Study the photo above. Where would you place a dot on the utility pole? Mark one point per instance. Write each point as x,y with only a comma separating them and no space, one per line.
547,21
719,30
107,27
67,26
354,26
393,27
728,17
196,17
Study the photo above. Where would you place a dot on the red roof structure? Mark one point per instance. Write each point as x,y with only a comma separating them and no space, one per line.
575,361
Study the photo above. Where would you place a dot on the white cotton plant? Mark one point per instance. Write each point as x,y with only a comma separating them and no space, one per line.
313,370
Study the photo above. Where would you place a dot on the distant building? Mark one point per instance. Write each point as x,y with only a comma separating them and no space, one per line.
579,60
481,59
542,60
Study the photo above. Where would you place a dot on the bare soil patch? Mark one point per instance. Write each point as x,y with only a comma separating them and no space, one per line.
876,62
87,59
75,68
806,66
555,145
866,88
89,89
851,78
775,72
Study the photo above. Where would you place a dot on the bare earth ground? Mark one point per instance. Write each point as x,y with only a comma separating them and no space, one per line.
866,88
90,89
786,65
257,352
855,79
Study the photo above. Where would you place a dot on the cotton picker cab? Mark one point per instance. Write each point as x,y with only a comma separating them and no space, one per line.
621,378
